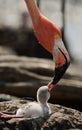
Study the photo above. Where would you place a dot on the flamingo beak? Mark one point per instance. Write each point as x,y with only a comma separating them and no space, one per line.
50,86
59,72
61,58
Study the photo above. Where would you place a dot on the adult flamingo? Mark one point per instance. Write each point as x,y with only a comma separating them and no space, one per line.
50,37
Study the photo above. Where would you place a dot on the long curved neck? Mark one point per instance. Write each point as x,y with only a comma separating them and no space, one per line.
33,10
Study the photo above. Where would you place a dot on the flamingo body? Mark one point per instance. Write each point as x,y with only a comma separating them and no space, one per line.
49,36
34,109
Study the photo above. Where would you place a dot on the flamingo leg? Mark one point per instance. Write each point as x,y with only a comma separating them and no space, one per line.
8,116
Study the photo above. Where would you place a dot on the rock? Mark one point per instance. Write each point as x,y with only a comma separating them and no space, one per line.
6,97
23,73
28,74
4,50
62,118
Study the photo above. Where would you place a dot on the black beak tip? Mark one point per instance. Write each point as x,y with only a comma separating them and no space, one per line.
59,72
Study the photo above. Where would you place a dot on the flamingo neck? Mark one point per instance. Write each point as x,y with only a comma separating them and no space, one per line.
46,109
33,10
43,104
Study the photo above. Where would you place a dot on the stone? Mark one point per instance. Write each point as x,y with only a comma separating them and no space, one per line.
27,74
61,118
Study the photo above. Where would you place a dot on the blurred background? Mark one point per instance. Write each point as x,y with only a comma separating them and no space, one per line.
25,65
13,15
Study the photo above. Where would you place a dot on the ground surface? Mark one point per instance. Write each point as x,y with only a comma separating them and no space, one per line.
62,118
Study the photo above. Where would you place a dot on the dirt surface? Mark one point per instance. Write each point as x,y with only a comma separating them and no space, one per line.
62,118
